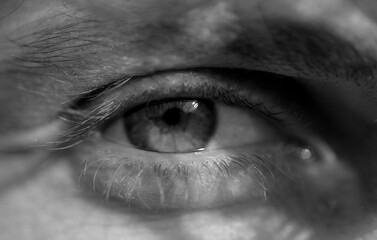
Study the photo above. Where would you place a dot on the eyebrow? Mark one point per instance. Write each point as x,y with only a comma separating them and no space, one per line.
314,49
307,48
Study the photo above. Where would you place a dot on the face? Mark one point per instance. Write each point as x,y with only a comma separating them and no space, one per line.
188,119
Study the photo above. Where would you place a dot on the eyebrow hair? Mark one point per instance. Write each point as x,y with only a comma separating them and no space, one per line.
57,44
314,49
305,47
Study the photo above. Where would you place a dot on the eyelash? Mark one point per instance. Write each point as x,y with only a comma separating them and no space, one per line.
260,167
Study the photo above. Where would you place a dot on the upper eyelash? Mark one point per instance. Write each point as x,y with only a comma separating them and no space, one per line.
84,123
81,122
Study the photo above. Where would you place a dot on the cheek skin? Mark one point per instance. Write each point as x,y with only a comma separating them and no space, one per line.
50,206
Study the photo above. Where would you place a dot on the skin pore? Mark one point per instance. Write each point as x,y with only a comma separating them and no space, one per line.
54,52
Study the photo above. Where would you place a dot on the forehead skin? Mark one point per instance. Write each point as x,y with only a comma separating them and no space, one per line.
348,18
145,27
210,24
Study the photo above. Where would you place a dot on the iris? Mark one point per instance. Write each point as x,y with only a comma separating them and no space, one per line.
173,126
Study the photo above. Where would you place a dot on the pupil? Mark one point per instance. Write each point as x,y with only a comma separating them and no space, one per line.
172,116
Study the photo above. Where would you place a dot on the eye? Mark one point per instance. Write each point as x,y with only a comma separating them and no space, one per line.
191,140
183,126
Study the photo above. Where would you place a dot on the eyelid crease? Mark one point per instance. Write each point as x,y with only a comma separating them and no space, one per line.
10,11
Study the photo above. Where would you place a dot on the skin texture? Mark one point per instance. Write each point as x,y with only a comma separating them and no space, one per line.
113,39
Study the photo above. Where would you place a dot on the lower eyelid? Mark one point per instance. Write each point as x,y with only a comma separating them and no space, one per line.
194,181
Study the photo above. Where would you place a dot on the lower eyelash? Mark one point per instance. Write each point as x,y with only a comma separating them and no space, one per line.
206,184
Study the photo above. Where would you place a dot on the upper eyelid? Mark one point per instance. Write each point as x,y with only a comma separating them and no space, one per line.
103,105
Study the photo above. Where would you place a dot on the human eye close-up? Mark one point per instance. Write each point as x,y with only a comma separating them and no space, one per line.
146,120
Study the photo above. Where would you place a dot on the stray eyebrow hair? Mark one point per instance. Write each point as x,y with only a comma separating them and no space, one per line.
56,45
309,49
9,11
